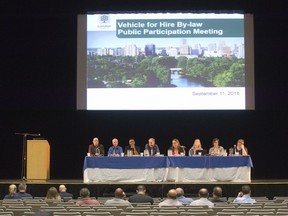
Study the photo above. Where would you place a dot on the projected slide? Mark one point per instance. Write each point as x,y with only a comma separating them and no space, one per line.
165,61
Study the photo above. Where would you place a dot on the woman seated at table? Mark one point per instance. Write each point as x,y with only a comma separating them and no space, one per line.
216,150
197,147
176,148
240,148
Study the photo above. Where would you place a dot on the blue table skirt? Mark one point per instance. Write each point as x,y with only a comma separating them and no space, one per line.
138,162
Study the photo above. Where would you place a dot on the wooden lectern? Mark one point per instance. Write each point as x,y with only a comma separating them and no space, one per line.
38,159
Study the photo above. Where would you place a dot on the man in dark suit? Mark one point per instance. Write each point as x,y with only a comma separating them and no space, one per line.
62,192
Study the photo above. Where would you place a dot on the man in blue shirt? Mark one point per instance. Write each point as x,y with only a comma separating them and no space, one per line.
244,196
181,198
115,150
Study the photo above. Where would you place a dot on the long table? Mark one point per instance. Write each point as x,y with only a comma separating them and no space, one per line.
167,169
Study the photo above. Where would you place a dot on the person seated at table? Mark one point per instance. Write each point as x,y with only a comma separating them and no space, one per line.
115,150
135,149
240,148
176,148
118,200
96,149
216,150
152,147
196,147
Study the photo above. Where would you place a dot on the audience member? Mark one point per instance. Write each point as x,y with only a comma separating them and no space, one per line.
22,187
115,150
171,199
63,192
217,195
152,147
181,198
135,149
176,148
244,196
119,199
141,196
12,193
85,199
196,146
216,150
203,200
96,149
52,193
240,148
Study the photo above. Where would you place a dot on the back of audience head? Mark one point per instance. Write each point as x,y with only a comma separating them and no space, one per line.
12,189
84,193
22,187
203,193
119,193
180,192
246,190
52,193
217,191
172,194
141,189
62,188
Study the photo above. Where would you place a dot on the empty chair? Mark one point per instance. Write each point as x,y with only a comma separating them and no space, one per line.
66,214
5,213
19,212
142,210
29,213
81,210
115,212
229,213
163,213
260,213
103,207
262,210
250,206
95,213
133,214
235,210
195,213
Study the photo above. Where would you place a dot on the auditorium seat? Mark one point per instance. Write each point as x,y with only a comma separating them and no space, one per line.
261,213
6,213
163,213
18,211
36,206
133,214
96,213
115,212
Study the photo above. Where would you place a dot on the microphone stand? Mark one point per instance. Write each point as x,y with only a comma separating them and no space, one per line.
24,153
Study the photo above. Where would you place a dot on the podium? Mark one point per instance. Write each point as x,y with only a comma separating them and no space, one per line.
38,159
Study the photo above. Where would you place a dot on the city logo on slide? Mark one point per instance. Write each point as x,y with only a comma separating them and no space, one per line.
104,21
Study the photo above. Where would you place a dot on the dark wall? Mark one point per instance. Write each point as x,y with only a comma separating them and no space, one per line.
38,89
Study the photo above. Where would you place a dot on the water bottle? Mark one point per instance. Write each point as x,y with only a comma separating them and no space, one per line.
97,152
230,151
169,152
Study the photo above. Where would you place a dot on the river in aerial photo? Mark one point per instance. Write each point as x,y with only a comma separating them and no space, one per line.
180,81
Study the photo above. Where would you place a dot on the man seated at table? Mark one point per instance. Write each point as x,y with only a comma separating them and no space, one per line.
141,196
135,150
118,200
115,150
152,147
96,149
